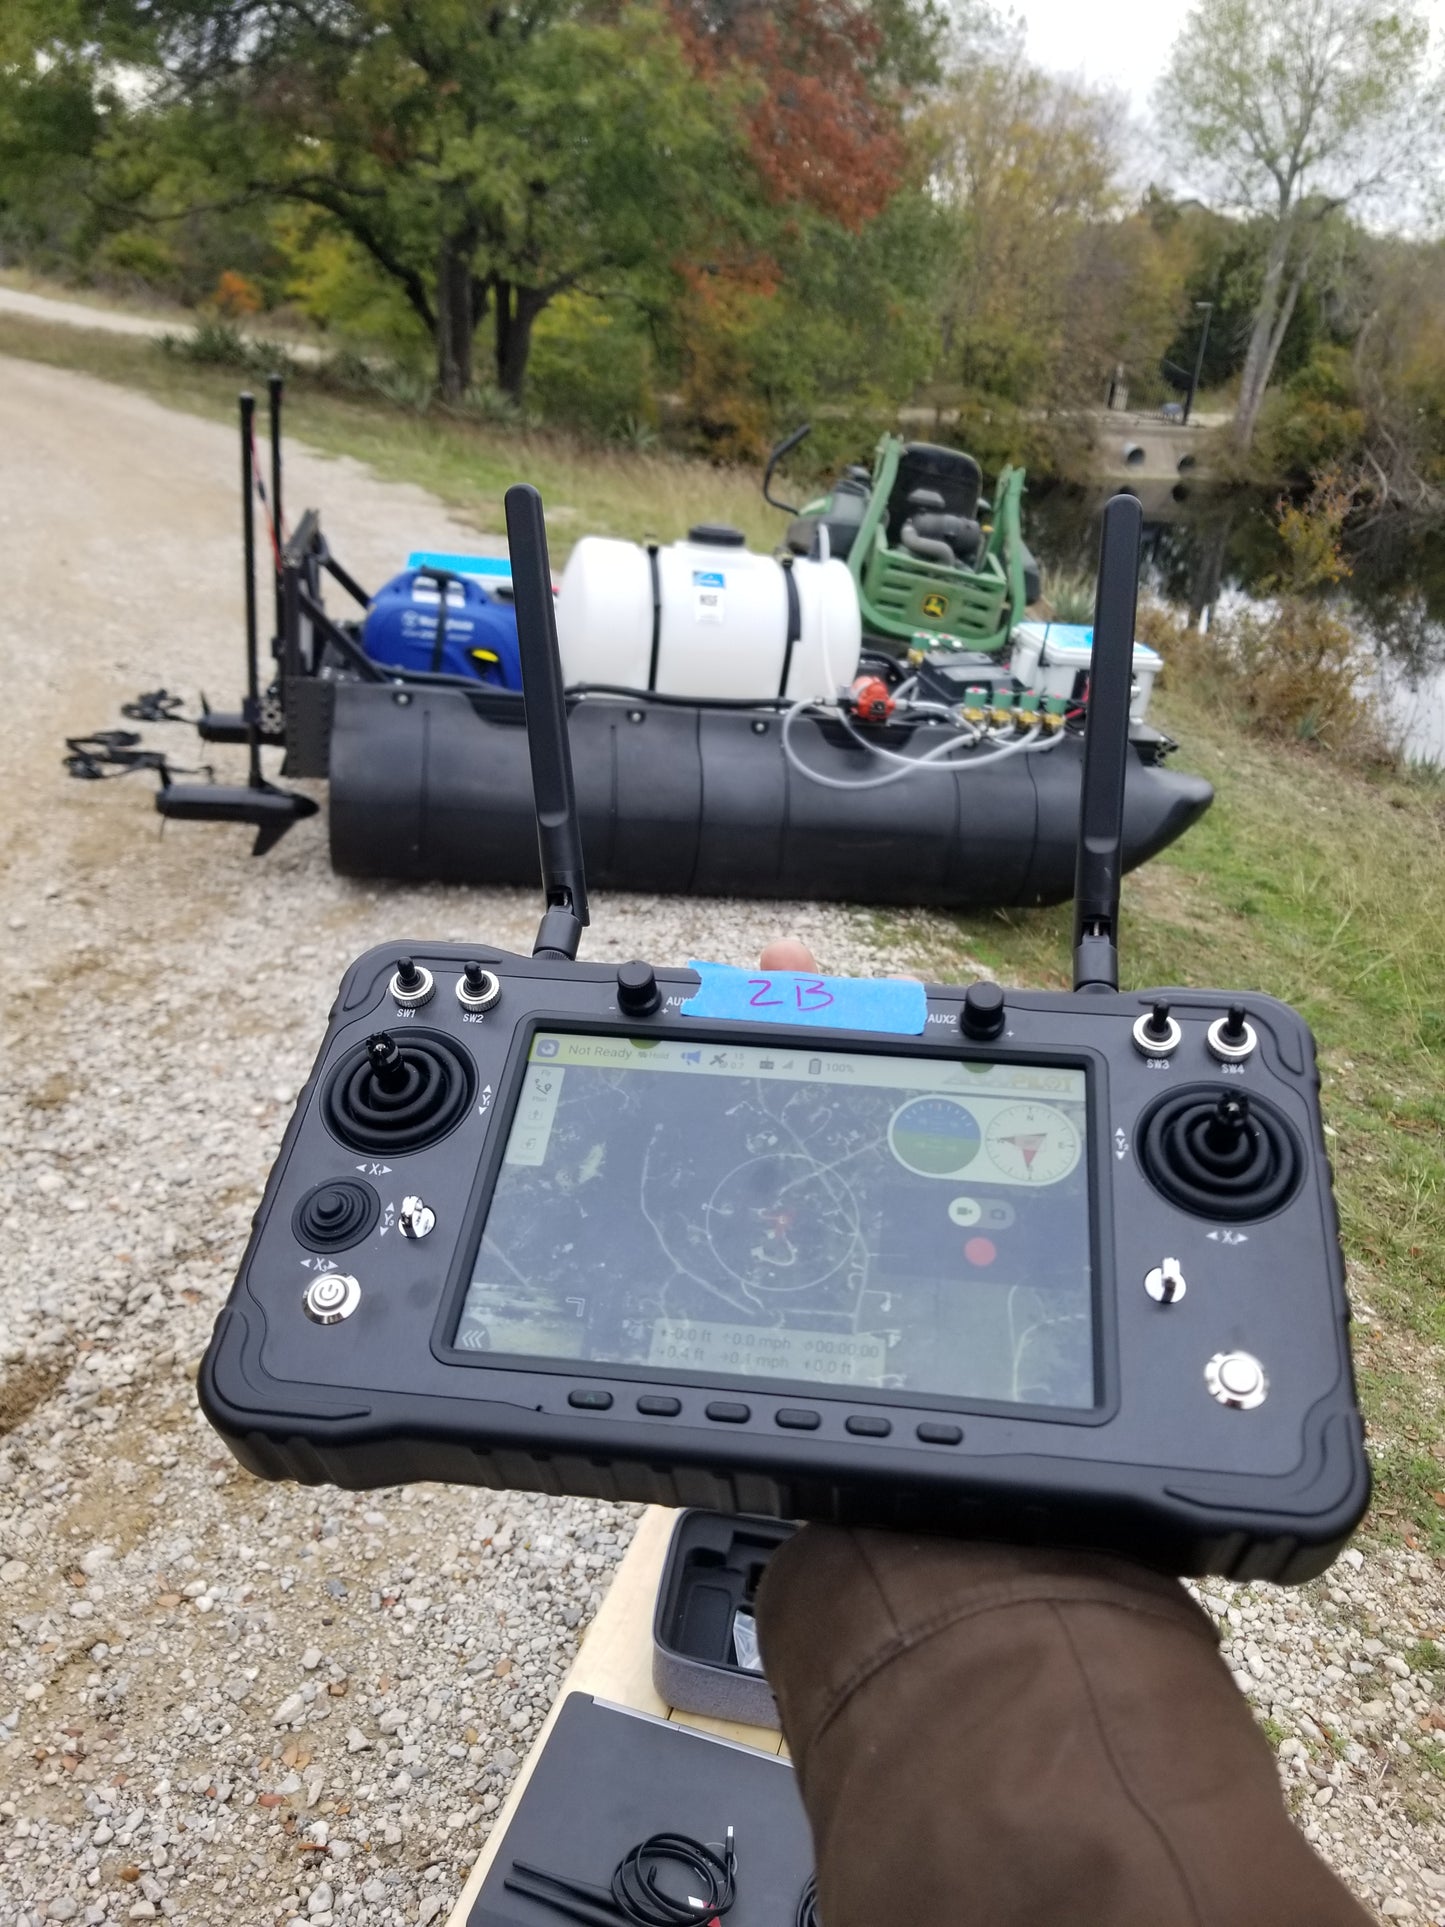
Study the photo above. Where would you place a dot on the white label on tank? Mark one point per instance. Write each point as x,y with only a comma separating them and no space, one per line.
707,595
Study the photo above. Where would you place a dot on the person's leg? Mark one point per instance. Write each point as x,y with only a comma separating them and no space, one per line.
1022,1738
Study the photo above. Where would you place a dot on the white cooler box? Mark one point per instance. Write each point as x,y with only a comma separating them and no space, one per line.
1047,656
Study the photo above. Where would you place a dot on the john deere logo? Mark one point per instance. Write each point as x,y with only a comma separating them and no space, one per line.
935,607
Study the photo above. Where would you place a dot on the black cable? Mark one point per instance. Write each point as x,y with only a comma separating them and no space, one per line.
807,1914
639,1897
115,752
155,706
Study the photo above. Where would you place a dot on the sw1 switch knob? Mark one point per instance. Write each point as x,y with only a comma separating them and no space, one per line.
637,991
983,1011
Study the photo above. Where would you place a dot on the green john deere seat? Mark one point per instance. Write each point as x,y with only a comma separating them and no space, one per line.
928,603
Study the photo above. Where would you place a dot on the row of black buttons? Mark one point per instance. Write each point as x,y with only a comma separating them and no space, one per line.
793,1418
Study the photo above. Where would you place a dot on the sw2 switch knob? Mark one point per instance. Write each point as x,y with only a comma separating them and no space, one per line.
637,991
983,1011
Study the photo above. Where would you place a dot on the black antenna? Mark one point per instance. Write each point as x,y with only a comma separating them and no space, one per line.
275,386
559,840
1106,749
248,544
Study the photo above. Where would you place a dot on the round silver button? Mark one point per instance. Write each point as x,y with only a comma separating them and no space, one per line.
331,1298
1236,1379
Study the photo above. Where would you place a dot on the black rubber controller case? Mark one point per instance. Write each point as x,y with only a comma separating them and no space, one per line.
1217,1430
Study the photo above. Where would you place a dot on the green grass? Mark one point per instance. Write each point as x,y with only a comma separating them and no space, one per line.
1310,878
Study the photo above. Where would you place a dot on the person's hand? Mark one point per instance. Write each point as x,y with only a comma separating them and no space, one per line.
786,953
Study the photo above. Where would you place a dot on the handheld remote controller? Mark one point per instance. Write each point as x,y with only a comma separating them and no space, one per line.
1062,1267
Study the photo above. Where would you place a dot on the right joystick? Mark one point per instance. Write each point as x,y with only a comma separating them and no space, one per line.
1219,1154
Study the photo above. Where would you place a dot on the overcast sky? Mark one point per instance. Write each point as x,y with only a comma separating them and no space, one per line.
1123,42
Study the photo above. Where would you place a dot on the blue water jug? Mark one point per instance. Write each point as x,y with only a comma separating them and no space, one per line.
475,634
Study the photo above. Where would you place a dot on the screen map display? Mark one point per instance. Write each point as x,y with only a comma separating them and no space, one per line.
829,1218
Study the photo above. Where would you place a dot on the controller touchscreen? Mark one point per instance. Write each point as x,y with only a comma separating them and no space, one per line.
829,1218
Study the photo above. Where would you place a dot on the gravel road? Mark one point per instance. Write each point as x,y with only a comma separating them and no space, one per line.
230,1703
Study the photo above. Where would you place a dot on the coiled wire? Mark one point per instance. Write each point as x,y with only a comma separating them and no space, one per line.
638,1896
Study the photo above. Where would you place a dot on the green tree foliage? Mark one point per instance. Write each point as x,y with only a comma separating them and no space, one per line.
1052,277
483,160
1289,113
53,108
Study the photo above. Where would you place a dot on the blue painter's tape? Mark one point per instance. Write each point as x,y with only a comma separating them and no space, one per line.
892,1004
484,565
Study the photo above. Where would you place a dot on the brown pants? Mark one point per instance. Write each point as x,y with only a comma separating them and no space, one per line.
1021,1738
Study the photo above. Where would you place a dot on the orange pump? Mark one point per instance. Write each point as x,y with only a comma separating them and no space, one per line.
870,699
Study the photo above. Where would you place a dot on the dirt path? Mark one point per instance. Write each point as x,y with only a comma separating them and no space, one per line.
82,314
220,1701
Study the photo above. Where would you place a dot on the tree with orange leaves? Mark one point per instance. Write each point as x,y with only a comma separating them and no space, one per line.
827,92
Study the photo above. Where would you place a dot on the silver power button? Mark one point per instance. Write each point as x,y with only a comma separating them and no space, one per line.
1237,1380
331,1298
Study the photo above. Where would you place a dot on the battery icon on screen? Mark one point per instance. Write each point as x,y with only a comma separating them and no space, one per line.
815,1067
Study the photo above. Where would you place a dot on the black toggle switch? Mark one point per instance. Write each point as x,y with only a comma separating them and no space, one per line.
983,1011
637,991
1157,1027
407,974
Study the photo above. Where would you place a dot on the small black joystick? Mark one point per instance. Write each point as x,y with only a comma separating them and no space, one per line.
1157,1027
335,1214
1228,1127
388,1065
637,991
983,1011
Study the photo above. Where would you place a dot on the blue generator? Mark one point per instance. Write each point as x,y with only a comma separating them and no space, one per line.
445,623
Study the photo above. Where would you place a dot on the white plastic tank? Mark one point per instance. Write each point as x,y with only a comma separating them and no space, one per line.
722,623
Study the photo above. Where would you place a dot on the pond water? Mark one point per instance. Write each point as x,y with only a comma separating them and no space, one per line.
1222,543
